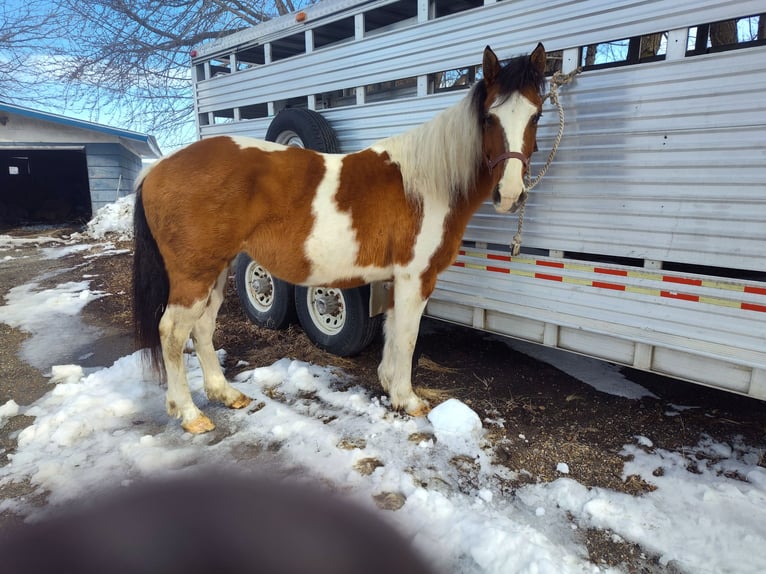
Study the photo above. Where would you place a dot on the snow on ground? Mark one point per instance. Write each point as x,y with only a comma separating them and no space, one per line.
34,309
114,220
108,427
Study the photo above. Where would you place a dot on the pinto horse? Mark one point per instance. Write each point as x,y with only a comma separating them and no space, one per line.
394,211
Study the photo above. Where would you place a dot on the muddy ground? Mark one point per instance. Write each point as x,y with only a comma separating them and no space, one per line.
560,417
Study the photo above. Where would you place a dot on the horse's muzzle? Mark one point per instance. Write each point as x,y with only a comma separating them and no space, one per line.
502,205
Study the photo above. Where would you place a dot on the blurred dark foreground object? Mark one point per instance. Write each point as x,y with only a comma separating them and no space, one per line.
212,525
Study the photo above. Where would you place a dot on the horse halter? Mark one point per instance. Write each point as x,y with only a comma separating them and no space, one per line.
491,163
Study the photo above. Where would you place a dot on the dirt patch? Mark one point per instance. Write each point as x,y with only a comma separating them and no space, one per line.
536,416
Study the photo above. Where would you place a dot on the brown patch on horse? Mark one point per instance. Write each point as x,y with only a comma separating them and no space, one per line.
279,209
379,211
452,234
348,283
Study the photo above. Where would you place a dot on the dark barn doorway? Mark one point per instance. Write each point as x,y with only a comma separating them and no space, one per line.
44,186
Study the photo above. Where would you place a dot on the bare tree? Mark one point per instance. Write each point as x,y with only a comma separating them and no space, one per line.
126,59
22,28
590,54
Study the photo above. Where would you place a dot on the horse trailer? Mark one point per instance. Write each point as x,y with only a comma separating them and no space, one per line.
644,243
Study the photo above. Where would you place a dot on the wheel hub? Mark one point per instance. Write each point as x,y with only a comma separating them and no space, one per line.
327,304
262,286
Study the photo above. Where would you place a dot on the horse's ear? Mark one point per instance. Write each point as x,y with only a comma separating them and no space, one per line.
538,57
490,66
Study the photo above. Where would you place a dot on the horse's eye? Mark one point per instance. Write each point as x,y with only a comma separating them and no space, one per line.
536,118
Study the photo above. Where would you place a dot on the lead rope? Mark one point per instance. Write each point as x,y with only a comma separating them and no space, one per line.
558,79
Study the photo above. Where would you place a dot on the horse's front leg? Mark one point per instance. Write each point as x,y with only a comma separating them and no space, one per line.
401,333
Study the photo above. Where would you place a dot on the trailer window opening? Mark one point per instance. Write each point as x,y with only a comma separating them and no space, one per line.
635,50
288,47
250,57
199,72
726,35
447,7
219,67
334,33
297,102
554,62
223,116
390,16
253,111
336,99
393,90
449,80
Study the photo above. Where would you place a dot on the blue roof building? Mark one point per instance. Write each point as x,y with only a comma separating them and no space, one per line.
59,169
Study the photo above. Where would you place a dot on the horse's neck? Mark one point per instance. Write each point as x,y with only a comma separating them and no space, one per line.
471,200
439,157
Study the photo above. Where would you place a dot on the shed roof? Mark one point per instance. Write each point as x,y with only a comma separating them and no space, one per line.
144,145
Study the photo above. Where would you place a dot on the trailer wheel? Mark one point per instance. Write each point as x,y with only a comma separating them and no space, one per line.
299,127
267,301
337,320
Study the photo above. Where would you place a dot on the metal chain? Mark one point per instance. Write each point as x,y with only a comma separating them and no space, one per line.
558,79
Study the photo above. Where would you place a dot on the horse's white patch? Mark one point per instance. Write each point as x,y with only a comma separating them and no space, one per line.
514,115
332,246
245,142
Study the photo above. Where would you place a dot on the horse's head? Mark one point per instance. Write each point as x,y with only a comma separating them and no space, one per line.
511,106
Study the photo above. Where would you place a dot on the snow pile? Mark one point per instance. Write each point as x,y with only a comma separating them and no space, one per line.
709,520
457,425
9,410
114,220
31,307
453,417
66,373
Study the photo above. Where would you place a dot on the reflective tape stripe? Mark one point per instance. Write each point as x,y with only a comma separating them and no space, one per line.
632,274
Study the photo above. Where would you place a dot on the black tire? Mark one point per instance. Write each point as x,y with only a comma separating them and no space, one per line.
303,128
267,301
337,320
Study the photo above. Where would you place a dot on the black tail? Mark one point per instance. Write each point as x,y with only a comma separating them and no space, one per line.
150,288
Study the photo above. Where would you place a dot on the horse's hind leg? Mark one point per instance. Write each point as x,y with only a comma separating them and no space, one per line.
216,385
176,324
